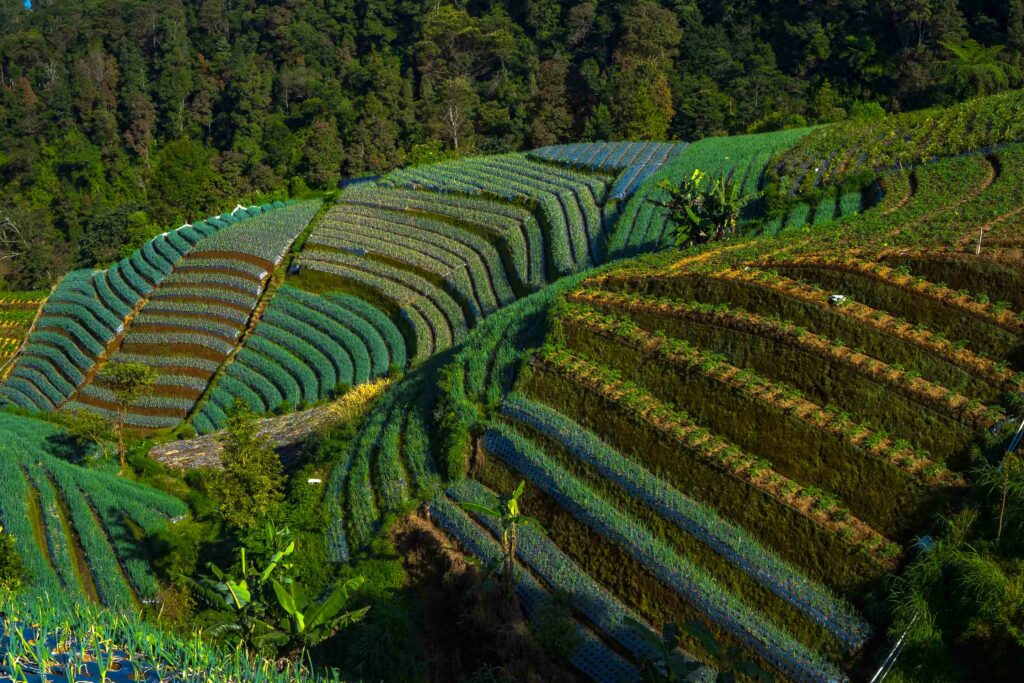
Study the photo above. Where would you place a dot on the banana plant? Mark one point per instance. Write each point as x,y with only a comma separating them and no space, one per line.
509,516
666,663
704,208
311,622
243,596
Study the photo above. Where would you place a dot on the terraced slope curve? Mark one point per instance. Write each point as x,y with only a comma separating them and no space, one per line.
834,152
84,316
194,318
634,162
568,203
709,435
76,529
439,248
303,349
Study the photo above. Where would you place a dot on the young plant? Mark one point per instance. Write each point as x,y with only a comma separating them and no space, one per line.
509,516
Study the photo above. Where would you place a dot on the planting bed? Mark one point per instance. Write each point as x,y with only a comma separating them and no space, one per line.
193,320
80,532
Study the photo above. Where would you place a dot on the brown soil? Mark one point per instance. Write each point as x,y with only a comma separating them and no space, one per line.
189,350
465,628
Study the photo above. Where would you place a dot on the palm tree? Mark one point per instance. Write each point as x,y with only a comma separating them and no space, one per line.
509,516
975,69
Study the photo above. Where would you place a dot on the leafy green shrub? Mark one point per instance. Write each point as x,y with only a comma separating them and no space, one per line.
12,570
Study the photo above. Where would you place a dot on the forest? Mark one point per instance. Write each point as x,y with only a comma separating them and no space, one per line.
120,118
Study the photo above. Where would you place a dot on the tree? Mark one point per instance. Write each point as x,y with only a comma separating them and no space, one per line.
249,485
129,382
12,569
88,428
506,511
184,181
975,69
321,156
106,234
550,119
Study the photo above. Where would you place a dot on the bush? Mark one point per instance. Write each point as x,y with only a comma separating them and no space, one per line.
12,570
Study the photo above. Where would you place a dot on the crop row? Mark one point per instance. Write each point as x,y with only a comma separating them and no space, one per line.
569,201
879,333
837,151
436,318
452,275
202,365
511,226
696,519
717,452
241,268
132,419
964,303
691,582
218,280
601,609
185,322
637,160
188,339
189,306
904,405
434,237
782,335
179,292
591,656
265,236
176,404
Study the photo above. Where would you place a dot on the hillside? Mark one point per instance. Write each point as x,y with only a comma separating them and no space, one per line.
769,436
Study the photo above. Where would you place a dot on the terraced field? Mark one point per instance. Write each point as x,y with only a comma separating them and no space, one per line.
709,436
77,529
568,203
751,435
303,349
18,310
192,321
831,153
643,225
635,162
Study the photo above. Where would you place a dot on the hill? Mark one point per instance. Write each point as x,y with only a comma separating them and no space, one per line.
752,435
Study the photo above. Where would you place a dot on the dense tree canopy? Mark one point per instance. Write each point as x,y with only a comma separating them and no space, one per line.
182,107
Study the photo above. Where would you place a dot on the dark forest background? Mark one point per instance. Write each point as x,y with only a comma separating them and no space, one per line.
119,117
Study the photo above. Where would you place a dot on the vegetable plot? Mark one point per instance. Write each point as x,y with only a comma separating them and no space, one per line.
77,511
194,318
302,349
